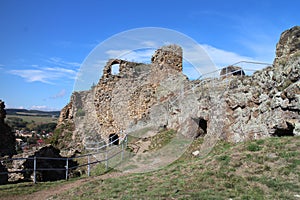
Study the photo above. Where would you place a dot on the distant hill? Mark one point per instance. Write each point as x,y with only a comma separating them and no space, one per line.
24,112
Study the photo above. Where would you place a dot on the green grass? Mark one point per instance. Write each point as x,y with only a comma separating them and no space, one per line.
161,139
27,188
263,169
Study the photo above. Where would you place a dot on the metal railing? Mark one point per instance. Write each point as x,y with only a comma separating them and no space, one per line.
101,150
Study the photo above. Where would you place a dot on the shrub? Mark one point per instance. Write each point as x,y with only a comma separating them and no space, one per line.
254,147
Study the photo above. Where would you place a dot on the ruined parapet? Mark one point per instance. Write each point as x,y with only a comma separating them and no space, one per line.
124,67
124,97
170,55
288,45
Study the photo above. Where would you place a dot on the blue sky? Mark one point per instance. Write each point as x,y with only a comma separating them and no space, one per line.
44,43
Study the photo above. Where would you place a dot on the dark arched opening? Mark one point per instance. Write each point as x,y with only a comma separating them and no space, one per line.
289,131
202,127
114,139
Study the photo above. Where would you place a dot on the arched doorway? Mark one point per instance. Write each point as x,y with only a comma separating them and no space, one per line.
114,139
202,127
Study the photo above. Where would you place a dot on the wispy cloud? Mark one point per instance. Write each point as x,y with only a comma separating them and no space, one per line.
206,58
140,55
149,43
43,108
60,62
38,107
113,53
45,75
60,94
222,57
50,71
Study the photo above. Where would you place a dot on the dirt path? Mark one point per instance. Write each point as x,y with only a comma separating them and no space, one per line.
48,193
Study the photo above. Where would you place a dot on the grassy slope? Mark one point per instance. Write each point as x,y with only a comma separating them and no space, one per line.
36,119
263,169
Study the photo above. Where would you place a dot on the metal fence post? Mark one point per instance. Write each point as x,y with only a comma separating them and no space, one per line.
89,167
67,168
34,169
122,153
106,160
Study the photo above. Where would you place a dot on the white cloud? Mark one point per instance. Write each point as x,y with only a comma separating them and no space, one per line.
205,59
62,63
117,53
222,57
149,44
31,75
138,55
60,94
60,70
42,108
44,75
38,107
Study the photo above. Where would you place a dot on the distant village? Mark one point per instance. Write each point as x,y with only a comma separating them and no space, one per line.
28,140
32,129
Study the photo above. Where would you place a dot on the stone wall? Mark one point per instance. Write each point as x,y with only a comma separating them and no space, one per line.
288,45
121,100
170,55
237,108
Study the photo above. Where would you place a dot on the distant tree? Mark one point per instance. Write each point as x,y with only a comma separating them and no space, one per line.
49,127
16,123
31,140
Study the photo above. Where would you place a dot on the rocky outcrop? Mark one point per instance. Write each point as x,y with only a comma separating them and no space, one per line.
7,138
66,114
145,97
288,45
